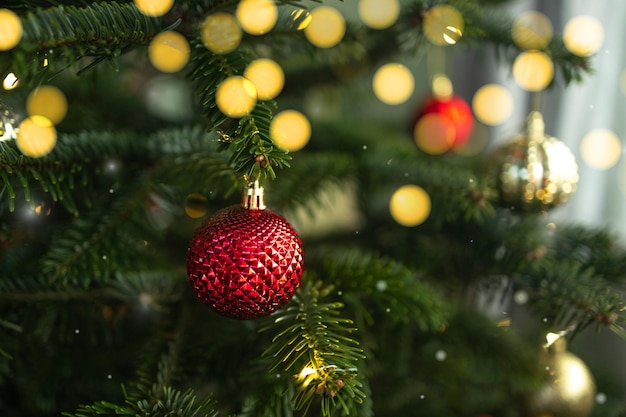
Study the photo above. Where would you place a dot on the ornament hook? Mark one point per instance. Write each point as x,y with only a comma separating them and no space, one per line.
253,197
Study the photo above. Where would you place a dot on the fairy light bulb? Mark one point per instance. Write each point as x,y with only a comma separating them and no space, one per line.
492,104
236,96
10,29
267,76
583,35
154,8
47,101
393,83
257,17
300,18
379,14
290,130
533,70
410,205
443,25
169,52
601,149
326,28
10,81
36,136
532,30
221,33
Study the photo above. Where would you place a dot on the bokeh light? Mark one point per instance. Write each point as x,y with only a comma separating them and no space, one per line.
300,18
492,104
169,52
257,17
36,136
10,29
434,134
236,96
267,76
221,33
443,25
583,35
326,28
410,205
393,83
196,205
10,81
379,14
601,149
442,87
154,8
533,70
532,30
47,101
290,130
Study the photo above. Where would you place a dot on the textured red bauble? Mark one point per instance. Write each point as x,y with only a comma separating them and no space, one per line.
453,110
245,263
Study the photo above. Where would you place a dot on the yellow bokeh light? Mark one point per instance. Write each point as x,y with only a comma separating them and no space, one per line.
410,205
434,134
154,8
393,83
492,104
290,130
10,29
267,76
47,101
326,28
583,35
301,18
10,81
533,70
379,14
257,17
36,136
221,33
169,52
236,96
601,149
443,25
196,205
532,30
442,87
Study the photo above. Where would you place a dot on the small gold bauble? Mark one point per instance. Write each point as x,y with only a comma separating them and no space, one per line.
569,389
535,172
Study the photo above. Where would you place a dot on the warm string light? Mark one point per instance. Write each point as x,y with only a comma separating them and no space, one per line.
154,8
326,28
10,29
583,35
601,149
169,52
36,136
290,130
236,96
443,25
379,14
533,70
47,101
221,33
410,205
257,17
393,83
492,104
267,76
532,31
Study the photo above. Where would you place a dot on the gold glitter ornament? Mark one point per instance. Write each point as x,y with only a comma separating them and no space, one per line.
535,172
568,390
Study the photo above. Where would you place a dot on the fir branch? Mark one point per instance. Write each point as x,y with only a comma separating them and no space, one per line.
57,37
311,339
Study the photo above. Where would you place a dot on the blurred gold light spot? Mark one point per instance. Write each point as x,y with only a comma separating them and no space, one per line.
47,101
379,14
196,205
169,52
290,130
326,28
393,83
443,25
601,149
257,17
10,81
442,87
410,205
221,33
301,17
492,104
434,134
267,76
532,30
10,29
533,70
154,7
42,208
236,96
36,136
583,35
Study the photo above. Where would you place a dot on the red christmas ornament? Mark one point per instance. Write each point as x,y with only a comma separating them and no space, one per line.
246,261
454,112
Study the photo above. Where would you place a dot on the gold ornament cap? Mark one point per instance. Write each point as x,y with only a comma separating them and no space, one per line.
253,197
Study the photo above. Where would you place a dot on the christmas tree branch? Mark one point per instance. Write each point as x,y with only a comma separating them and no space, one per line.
311,339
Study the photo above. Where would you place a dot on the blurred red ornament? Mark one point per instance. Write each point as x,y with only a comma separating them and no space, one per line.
246,260
454,112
